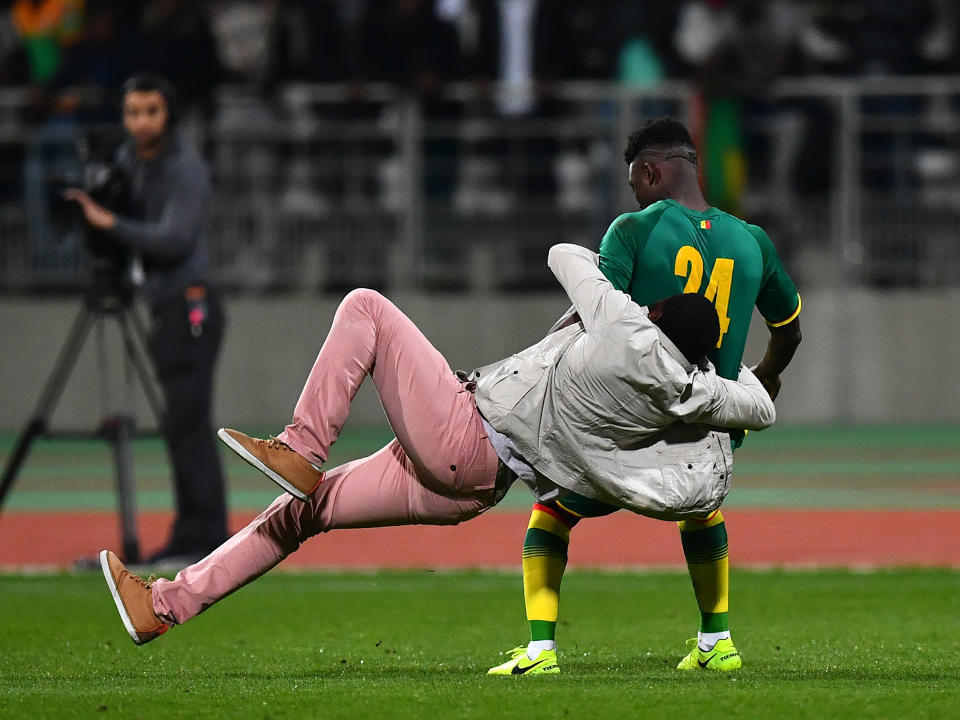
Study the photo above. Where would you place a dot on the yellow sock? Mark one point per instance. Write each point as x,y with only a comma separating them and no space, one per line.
544,562
705,548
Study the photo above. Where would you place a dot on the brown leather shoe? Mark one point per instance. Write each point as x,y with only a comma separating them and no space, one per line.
277,460
133,599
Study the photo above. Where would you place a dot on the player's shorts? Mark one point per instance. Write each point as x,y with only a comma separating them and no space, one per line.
584,507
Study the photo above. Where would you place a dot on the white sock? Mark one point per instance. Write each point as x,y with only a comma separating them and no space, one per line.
536,646
706,641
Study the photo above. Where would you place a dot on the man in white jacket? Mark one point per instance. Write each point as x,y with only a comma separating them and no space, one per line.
598,407
561,414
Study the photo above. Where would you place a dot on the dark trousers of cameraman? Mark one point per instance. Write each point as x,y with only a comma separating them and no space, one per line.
186,336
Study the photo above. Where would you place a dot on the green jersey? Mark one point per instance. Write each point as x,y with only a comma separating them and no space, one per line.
667,249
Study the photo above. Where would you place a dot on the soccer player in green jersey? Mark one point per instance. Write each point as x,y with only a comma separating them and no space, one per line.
676,243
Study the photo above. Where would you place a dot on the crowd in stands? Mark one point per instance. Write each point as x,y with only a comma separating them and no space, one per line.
729,45
730,50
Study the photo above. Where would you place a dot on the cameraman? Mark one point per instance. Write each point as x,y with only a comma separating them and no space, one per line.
170,190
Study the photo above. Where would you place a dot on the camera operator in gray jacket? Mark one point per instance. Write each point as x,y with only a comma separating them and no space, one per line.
170,189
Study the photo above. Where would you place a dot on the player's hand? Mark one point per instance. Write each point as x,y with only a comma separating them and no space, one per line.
771,385
95,213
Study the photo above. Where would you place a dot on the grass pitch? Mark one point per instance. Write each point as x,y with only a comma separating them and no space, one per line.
824,644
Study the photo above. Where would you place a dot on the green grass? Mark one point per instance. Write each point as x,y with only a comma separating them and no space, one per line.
826,644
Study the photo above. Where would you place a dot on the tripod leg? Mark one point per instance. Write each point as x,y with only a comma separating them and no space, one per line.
48,399
129,320
34,427
120,432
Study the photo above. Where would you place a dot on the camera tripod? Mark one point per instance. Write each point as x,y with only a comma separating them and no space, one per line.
99,305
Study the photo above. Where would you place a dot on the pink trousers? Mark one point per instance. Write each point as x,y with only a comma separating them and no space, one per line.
439,470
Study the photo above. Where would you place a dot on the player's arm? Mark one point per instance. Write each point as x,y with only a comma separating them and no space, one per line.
779,304
783,343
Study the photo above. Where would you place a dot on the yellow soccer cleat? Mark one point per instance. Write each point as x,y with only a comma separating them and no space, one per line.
519,664
722,658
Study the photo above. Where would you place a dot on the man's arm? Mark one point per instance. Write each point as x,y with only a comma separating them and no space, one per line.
741,404
173,235
570,317
615,260
781,346
592,295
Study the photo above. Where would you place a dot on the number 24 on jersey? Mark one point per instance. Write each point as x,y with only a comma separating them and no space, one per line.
689,264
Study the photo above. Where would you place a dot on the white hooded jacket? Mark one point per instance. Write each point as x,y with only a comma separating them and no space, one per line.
610,409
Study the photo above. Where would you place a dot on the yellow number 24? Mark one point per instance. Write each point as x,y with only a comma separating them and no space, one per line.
689,264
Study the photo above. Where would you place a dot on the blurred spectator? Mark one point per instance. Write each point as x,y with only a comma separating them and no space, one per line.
407,43
876,37
46,28
749,143
576,40
525,47
13,59
939,47
99,61
309,44
351,18
645,53
737,47
244,31
176,42
884,38
473,21
56,47
498,170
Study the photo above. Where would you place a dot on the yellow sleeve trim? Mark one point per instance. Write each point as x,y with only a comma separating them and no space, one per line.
791,318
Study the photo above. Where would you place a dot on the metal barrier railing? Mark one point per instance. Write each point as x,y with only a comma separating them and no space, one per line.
855,179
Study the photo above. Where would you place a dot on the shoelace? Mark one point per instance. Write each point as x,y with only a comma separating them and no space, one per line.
146,583
276,444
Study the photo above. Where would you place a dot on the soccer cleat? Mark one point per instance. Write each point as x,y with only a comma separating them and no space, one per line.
277,460
722,658
133,599
519,664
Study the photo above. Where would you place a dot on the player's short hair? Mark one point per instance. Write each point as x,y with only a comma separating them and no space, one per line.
661,134
692,324
151,82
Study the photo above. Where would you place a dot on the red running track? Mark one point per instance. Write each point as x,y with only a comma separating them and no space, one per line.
831,538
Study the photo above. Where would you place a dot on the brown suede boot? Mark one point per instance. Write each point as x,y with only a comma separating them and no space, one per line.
133,599
277,460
